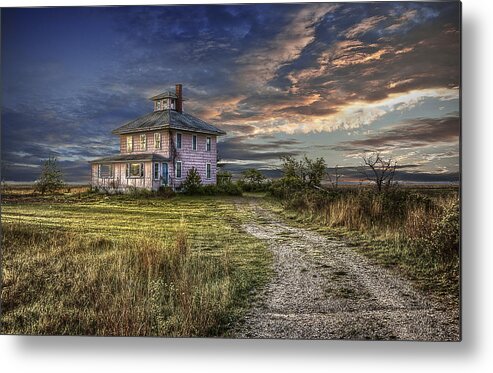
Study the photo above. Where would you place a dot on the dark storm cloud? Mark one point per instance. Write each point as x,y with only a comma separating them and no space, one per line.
31,136
412,134
240,149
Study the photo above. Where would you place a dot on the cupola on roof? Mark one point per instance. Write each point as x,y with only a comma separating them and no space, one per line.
168,114
169,100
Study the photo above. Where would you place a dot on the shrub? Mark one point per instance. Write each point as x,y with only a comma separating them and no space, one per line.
230,189
192,183
209,190
51,178
136,192
165,191
253,181
223,177
444,239
285,187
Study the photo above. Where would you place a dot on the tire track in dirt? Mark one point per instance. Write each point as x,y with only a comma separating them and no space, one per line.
324,289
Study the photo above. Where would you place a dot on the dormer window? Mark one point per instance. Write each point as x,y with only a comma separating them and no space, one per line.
158,105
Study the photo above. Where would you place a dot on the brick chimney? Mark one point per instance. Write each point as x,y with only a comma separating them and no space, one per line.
179,101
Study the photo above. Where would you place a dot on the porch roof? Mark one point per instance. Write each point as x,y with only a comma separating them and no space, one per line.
141,157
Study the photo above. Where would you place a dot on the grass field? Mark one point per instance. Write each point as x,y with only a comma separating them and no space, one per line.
81,263
98,265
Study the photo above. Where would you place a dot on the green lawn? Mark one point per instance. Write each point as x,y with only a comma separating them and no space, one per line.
122,266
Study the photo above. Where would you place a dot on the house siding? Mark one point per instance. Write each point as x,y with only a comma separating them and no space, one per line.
198,159
120,182
150,143
195,158
165,123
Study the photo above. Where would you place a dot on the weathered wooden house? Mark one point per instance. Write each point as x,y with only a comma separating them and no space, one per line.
159,148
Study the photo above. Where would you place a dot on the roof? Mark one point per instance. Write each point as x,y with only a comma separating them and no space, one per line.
141,157
167,94
168,119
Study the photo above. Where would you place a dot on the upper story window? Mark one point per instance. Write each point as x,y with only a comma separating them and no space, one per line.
130,144
157,140
143,142
194,142
178,140
158,105
208,144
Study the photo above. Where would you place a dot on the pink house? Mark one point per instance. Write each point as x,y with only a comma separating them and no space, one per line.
159,148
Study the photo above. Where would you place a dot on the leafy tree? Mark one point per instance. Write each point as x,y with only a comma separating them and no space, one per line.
315,170
310,172
192,183
253,176
51,178
291,168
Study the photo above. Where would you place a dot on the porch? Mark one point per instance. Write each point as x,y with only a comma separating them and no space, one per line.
121,173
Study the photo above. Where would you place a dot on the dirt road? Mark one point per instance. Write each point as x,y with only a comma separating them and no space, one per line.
323,289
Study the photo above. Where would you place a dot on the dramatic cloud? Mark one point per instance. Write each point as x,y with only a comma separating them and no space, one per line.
240,150
412,134
318,75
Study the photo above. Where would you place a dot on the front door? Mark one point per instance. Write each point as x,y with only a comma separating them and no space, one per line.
164,174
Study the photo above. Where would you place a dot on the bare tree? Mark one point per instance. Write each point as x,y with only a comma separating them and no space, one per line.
334,178
382,171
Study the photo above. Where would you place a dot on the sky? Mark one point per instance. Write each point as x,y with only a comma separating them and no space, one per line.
331,80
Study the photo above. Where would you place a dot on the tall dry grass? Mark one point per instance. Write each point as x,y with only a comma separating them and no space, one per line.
61,282
415,229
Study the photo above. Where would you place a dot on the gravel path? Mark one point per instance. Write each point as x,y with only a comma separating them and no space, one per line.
323,289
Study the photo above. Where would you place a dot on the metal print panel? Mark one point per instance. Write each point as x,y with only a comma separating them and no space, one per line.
240,171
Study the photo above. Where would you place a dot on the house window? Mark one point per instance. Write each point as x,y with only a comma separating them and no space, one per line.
178,140
208,171
178,169
158,105
130,144
105,171
143,142
135,170
157,140
208,144
156,171
194,142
